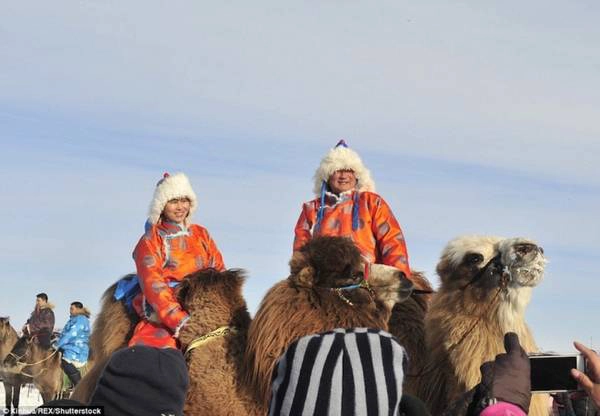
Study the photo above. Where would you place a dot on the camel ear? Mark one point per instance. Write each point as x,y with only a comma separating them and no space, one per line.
298,262
305,278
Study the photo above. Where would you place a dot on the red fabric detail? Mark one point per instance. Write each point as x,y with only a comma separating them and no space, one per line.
185,255
379,236
153,335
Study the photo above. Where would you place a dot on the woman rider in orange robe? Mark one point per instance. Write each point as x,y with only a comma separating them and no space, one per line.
170,249
347,205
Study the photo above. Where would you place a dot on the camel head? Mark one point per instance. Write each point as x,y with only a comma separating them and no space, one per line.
327,263
492,271
486,263
213,299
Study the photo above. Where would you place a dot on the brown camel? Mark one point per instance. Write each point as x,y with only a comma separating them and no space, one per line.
216,337
12,380
486,284
306,303
112,329
314,292
407,323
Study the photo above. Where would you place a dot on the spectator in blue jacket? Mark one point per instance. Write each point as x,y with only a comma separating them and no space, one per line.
74,340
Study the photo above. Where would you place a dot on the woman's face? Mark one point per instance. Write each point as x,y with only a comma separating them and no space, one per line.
177,210
342,181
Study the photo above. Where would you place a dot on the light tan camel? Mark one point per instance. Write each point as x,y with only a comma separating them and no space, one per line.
486,284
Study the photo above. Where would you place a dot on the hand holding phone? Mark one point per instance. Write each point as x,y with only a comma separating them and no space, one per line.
590,382
550,373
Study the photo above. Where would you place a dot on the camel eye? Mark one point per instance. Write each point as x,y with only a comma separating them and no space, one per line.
473,258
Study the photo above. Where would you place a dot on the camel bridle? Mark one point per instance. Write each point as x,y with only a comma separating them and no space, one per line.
363,283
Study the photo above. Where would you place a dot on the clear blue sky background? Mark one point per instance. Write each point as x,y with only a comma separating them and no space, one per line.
474,118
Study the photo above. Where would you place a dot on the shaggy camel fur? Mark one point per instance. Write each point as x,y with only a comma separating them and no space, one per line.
214,300
486,284
407,323
306,304
112,329
12,381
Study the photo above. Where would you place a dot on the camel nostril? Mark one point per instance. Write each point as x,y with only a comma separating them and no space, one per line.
541,250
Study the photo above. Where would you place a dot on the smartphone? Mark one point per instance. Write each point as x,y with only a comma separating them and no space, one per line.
552,373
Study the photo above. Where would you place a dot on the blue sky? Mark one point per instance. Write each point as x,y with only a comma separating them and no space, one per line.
474,119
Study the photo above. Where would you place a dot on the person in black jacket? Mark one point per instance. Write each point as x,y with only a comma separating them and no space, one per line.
40,324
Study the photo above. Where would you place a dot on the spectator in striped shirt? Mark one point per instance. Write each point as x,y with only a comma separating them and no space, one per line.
343,372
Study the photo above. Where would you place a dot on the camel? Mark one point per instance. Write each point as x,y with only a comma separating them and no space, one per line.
28,358
407,324
306,304
230,370
486,284
112,328
12,380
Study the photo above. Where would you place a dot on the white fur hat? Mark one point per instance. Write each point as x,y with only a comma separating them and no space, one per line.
171,187
338,158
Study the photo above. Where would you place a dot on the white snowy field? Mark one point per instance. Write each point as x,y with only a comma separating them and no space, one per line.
29,400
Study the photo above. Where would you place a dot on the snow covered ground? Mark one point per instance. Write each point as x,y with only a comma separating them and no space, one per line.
29,400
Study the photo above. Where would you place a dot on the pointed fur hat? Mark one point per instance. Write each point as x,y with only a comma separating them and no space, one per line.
171,187
342,157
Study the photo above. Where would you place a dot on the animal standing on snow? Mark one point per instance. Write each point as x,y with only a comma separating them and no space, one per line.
486,284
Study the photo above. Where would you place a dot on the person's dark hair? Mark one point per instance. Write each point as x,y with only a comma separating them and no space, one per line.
42,296
77,304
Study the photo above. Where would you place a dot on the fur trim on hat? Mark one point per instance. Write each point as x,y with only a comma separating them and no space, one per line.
171,187
343,158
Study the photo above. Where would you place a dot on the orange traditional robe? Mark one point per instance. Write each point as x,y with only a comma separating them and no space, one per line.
378,235
165,254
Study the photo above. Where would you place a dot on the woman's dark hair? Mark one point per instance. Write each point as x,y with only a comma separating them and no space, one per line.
77,304
42,296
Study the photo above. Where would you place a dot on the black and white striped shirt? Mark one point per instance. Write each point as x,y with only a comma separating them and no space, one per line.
343,372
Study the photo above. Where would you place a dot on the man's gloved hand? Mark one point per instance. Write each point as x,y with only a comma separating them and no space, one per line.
508,378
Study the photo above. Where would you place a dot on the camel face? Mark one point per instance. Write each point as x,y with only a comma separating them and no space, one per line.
524,262
470,260
389,284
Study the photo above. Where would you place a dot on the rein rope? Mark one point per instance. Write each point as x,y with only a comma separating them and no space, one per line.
219,332
21,365
364,284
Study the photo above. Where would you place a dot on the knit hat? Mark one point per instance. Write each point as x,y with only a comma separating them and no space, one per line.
171,187
143,381
339,158
341,372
